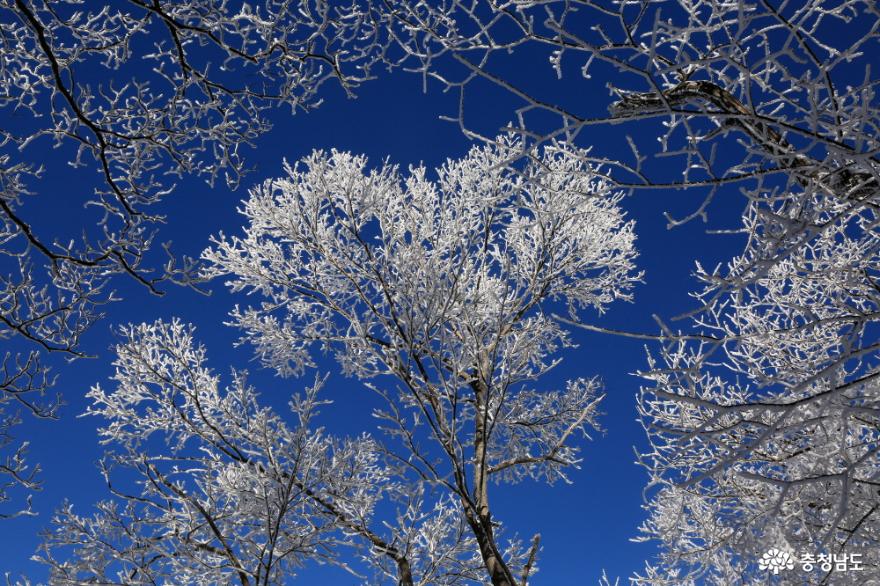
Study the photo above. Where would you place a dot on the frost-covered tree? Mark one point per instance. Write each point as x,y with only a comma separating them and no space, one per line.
434,293
763,412
764,422
764,425
142,93
228,492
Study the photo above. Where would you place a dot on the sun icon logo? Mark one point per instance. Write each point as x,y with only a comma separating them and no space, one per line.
776,560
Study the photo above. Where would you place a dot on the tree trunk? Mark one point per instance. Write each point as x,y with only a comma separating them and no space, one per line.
480,520
499,573
404,572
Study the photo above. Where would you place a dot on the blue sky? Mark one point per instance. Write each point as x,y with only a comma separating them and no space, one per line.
586,526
